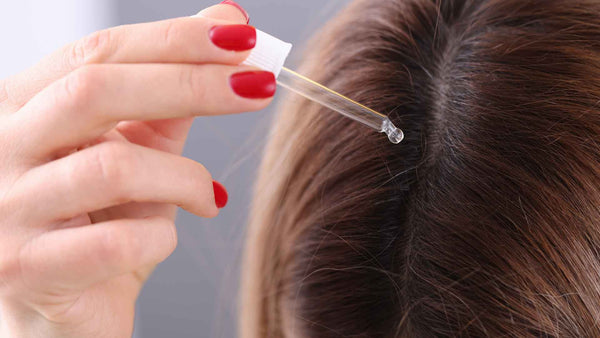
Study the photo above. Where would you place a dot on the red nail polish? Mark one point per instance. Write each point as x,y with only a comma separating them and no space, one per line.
233,37
240,8
254,84
221,195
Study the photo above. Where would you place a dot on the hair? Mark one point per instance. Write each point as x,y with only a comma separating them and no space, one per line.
485,221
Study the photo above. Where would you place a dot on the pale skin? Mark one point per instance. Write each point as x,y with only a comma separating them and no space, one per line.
91,176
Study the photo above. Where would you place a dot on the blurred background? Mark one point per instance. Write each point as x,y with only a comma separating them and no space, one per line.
194,292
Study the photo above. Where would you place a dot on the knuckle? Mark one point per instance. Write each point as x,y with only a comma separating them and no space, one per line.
191,79
171,34
113,246
92,49
113,163
80,85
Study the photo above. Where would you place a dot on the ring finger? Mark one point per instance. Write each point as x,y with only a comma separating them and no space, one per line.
109,174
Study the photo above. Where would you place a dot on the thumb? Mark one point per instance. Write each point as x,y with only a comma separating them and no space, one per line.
227,11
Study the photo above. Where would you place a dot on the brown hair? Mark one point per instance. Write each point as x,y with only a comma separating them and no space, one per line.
485,221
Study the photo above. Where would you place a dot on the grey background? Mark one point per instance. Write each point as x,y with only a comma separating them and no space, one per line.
194,292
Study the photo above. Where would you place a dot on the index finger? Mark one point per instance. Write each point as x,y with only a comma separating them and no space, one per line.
180,40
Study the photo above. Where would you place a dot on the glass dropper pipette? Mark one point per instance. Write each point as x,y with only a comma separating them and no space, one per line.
339,103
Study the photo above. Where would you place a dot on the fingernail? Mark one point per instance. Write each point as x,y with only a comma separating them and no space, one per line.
240,8
221,196
233,37
253,84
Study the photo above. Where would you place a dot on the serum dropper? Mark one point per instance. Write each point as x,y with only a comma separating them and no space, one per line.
270,54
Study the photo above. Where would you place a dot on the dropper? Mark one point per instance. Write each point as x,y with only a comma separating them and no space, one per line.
340,103
270,54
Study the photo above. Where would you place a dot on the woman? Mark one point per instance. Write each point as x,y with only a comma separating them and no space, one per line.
485,221
68,161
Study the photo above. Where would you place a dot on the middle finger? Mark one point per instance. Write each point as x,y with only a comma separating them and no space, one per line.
91,101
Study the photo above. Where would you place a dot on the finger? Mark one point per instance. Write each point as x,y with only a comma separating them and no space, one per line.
92,100
110,174
181,40
231,12
76,258
166,135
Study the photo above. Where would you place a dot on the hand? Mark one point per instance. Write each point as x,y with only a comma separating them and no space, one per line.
90,171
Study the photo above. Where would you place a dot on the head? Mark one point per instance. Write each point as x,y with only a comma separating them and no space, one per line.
485,221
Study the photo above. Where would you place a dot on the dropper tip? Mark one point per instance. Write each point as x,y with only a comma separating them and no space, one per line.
395,135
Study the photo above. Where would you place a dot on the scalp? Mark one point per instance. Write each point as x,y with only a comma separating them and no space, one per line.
483,222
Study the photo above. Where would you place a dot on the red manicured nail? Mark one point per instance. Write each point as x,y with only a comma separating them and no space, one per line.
233,37
240,8
221,195
254,84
